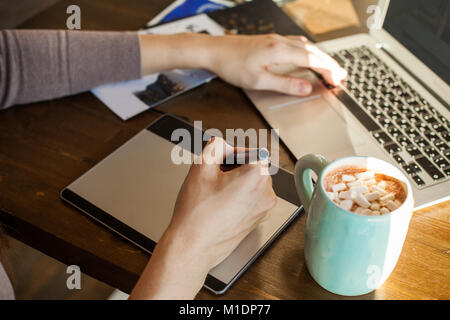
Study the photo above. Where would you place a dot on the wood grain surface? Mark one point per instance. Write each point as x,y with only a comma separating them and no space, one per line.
47,145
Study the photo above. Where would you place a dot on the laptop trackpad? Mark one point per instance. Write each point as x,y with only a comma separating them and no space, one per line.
311,125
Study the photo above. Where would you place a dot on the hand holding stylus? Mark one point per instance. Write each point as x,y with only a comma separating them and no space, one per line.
214,212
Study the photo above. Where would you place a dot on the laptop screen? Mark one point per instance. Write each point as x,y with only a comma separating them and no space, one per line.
423,27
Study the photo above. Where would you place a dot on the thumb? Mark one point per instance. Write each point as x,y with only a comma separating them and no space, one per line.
214,152
285,84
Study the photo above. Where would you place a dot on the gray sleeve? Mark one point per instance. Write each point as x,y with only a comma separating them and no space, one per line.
40,65
6,290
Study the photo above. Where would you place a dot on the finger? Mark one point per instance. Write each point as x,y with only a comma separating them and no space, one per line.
297,40
242,156
284,84
305,54
337,72
214,152
303,42
327,67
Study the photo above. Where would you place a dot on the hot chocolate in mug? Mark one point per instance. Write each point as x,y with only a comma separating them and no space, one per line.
345,252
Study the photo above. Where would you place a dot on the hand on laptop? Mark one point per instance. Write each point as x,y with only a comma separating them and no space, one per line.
245,61
214,212
241,60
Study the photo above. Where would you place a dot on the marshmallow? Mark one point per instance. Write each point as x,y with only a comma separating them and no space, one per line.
365,175
370,181
362,201
366,212
387,197
346,178
378,189
359,189
382,184
346,204
359,210
372,196
392,205
384,210
375,206
354,184
331,195
375,213
348,195
338,187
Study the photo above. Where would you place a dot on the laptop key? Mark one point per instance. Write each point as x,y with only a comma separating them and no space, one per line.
386,107
402,123
411,133
398,159
429,118
443,120
429,168
412,118
445,135
381,137
407,169
447,154
418,180
421,142
421,126
438,127
347,55
440,145
431,135
404,141
431,152
411,168
392,148
447,171
356,110
406,96
441,162
338,60
377,114
413,150
394,115
384,122
421,110
394,131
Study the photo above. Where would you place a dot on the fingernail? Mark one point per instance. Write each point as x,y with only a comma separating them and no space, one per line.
304,89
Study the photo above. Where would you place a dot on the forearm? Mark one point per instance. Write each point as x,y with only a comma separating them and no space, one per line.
179,51
39,65
175,271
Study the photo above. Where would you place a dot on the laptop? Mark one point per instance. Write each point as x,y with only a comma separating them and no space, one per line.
394,104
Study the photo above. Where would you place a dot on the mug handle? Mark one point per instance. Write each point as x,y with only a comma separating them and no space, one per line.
303,181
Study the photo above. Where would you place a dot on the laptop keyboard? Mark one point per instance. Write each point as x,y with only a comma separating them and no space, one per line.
404,124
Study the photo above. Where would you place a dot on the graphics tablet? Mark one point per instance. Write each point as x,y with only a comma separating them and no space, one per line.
133,192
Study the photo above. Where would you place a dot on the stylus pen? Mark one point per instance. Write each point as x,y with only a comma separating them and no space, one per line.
239,158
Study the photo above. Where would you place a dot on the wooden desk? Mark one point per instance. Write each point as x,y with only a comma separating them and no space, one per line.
45,146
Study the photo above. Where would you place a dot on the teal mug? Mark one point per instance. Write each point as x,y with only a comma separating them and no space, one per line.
347,253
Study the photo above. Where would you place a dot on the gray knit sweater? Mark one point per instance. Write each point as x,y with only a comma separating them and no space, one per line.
40,65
